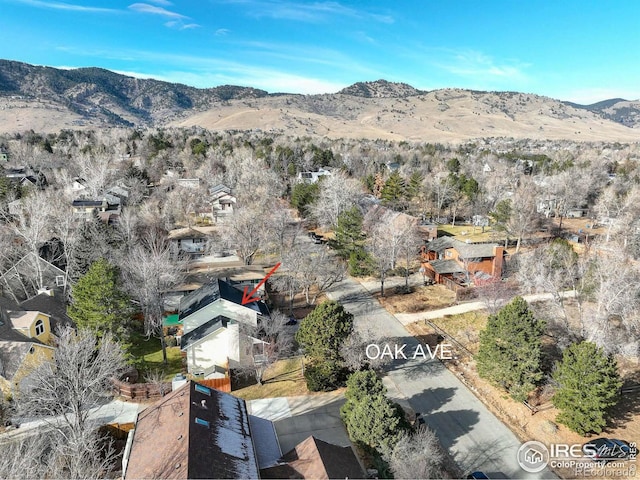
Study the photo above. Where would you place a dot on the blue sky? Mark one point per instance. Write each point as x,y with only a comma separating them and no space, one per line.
583,51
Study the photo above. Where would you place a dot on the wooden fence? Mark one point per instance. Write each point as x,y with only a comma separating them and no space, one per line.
222,384
153,391
141,391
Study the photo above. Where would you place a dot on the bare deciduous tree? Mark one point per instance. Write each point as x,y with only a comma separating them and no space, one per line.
354,350
269,342
383,244
418,455
62,393
338,193
247,231
150,270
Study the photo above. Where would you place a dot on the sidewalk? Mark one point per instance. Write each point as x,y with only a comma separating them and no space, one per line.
407,318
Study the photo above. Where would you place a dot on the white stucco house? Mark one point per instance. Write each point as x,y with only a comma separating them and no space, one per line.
215,326
222,201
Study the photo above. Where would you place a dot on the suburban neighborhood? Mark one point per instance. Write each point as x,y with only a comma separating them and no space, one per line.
323,320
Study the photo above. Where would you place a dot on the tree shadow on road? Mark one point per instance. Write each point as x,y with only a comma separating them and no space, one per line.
451,425
483,455
433,397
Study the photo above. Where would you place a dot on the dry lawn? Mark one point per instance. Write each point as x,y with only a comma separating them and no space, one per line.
419,300
283,379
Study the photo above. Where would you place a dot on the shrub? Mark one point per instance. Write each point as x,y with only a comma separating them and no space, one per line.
324,377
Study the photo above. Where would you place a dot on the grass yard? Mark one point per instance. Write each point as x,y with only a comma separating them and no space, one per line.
148,356
466,232
283,379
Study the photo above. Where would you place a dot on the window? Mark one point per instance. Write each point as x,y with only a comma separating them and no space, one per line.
202,389
60,281
39,327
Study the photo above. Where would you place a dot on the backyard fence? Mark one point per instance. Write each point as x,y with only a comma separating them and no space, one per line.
141,391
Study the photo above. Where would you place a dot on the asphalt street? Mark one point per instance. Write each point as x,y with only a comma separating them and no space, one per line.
474,437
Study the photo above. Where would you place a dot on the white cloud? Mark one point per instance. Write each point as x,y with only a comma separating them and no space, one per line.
152,9
66,6
178,25
315,12
221,32
475,64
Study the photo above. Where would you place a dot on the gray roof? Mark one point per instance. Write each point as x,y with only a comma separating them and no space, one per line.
213,291
53,306
446,266
219,188
440,244
11,357
203,331
475,250
465,250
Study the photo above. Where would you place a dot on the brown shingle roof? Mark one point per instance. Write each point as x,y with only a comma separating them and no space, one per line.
193,432
313,458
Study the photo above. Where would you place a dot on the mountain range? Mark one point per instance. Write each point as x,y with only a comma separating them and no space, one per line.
49,99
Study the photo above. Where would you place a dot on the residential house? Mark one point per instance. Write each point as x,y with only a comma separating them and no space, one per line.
52,305
120,192
248,277
450,261
316,459
105,207
193,432
215,329
77,187
428,231
30,276
25,176
18,352
313,177
222,201
190,242
31,324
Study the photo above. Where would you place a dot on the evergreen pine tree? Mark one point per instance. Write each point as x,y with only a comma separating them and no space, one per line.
588,386
323,331
394,188
99,304
415,186
348,232
510,353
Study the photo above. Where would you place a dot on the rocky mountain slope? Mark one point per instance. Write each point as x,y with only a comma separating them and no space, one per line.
48,99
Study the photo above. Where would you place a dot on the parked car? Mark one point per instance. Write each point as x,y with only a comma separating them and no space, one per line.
603,450
478,476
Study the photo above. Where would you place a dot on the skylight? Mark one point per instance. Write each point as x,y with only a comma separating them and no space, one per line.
202,422
203,389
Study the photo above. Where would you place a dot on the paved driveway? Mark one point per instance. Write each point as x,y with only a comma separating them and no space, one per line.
296,418
474,437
